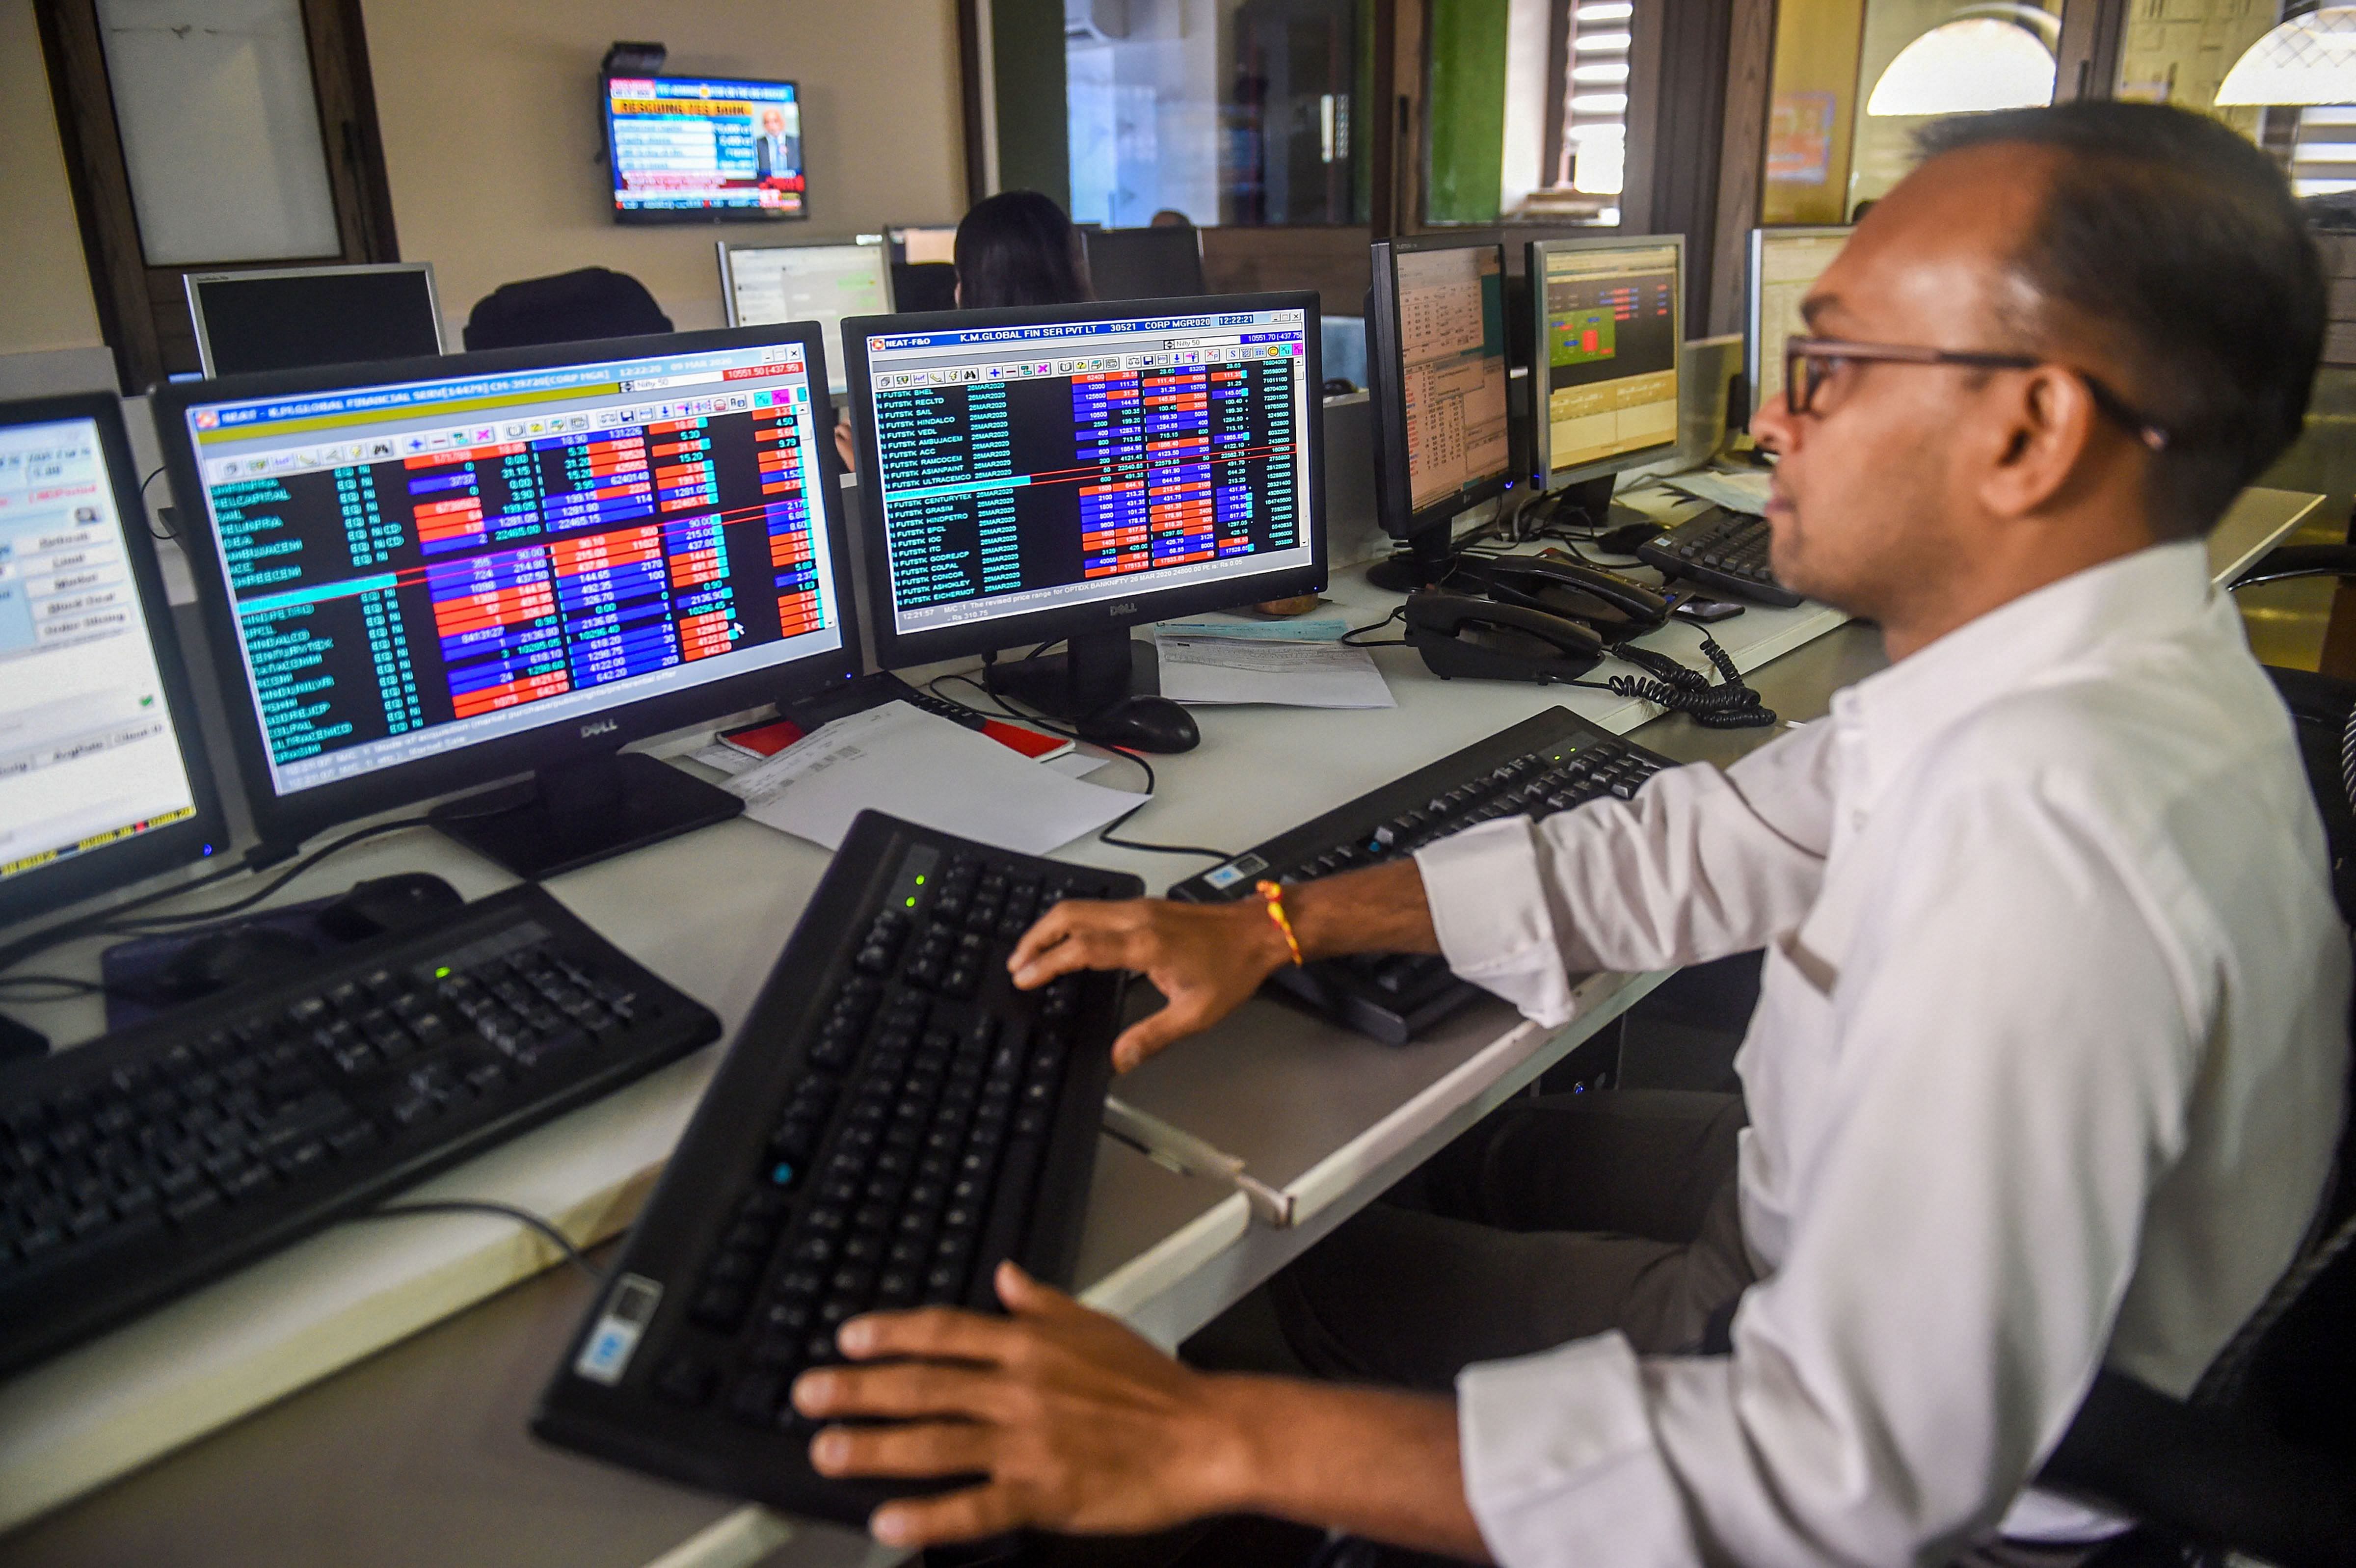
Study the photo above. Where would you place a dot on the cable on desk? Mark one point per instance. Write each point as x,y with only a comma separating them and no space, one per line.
1349,639
1105,834
1733,706
547,1228
111,921
65,986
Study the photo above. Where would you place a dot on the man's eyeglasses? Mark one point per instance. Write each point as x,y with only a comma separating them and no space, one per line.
1809,363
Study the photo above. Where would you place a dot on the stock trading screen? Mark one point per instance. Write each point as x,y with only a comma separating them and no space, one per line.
1036,467
421,567
1609,352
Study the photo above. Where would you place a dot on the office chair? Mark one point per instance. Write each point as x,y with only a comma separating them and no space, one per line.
569,307
2260,1459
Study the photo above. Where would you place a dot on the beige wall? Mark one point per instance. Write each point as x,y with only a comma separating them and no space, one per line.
492,137
47,302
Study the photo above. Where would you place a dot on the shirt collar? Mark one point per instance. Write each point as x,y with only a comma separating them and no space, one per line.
2150,594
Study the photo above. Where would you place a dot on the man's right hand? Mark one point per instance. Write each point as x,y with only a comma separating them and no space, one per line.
1205,959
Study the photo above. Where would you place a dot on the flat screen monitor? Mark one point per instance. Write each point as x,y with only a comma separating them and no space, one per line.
699,149
1609,316
768,284
1073,471
1785,264
921,246
1436,367
1144,264
292,318
452,570
103,778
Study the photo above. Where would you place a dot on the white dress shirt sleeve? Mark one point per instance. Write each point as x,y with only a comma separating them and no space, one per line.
2016,1049
1700,865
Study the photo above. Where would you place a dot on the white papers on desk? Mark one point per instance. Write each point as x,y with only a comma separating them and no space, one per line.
913,765
1735,492
1293,674
1316,629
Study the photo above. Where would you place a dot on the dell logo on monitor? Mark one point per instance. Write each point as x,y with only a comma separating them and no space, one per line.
1126,607
597,727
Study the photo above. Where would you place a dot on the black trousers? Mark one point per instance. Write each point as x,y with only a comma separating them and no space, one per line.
1553,1220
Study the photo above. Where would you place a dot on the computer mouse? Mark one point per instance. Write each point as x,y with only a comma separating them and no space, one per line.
389,904
1143,724
235,957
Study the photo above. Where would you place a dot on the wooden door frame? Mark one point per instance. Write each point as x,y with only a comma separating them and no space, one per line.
122,283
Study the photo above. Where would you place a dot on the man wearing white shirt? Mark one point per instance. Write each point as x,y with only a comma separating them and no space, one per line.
2049,1055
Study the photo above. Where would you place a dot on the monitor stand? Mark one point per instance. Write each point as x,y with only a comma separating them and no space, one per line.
568,816
1107,685
1593,500
1423,560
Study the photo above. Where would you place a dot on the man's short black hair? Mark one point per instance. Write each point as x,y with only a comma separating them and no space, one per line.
2179,243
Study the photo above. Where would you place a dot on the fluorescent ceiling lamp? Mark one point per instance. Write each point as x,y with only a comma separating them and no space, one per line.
2305,60
1968,66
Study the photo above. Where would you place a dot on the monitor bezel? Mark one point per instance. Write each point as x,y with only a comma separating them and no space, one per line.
895,649
1545,477
79,877
639,215
191,284
726,248
1753,301
289,819
1395,505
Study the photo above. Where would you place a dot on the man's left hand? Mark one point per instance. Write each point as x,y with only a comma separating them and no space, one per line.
1078,1425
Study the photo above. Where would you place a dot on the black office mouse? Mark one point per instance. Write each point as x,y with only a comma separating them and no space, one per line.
215,963
1143,724
389,904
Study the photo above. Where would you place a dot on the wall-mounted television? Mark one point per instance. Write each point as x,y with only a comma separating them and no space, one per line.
705,149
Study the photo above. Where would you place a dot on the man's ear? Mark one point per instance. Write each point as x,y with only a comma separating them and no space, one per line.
2039,442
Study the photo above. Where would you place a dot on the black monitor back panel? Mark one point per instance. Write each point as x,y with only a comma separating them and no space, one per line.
1144,264
289,322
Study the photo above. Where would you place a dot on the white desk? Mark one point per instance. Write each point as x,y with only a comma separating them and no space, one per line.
1330,1116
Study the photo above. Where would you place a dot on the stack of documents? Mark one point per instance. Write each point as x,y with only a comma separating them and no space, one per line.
1295,663
920,767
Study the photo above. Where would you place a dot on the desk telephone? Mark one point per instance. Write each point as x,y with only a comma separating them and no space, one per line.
1526,618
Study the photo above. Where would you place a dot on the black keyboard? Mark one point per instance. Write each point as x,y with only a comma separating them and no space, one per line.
893,1120
1721,550
1546,763
152,1160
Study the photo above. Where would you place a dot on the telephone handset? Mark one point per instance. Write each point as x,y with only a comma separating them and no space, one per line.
1484,639
1617,607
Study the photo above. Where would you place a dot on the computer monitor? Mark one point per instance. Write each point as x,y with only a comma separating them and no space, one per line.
1785,264
765,285
920,245
1069,472
689,149
103,778
1436,370
291,318
425,577
1145,263
1609,314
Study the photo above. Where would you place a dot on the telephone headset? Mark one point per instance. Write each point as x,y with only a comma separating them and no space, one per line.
1535,618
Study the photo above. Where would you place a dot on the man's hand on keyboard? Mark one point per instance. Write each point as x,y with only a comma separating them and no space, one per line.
1205,959
1077,1425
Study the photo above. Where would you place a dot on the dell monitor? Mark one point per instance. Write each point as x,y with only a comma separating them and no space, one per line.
1436,370
1608,315
1064,473
1144,264
771,284
103,779
1785,264
292,318
705,149
425,577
